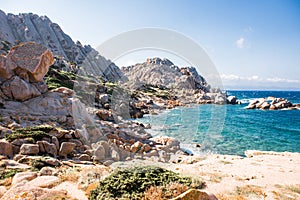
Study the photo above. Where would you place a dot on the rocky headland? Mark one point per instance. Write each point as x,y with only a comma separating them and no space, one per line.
65,114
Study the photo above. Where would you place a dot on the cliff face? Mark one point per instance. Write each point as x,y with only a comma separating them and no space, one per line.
31,27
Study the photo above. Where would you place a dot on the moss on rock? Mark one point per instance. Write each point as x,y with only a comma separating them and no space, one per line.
35,132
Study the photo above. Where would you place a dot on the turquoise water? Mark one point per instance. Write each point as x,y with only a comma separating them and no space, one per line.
231,129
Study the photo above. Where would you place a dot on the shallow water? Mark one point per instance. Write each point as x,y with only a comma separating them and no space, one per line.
231,129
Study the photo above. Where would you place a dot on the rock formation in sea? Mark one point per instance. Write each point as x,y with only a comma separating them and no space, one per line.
272,103
27,27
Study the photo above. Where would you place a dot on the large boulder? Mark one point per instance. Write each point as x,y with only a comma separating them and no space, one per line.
5,72
29,149
232,100
30,61
19,89
66,148
6,148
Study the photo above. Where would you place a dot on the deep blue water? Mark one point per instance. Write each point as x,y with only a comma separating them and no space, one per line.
231,129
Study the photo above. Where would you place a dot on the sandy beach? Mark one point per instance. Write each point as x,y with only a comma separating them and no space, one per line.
261,175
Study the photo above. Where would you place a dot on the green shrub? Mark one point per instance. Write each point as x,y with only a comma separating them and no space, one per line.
7,173
133,182
35,132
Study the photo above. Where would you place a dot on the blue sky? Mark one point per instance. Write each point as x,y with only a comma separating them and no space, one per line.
254,44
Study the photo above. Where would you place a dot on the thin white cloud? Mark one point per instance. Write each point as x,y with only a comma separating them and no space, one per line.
232,77
240,43
232,81
282,80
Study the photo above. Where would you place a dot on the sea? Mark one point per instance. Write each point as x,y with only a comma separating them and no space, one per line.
231,129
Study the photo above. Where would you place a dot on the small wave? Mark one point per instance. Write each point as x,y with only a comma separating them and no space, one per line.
244,101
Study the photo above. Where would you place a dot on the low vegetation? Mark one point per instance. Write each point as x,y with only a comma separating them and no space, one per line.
35,132
138,182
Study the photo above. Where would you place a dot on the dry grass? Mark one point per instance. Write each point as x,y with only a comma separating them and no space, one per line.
293,188
249,190
90,187
281,196
216,178
165,192
287,192
243,193
154,193
69,174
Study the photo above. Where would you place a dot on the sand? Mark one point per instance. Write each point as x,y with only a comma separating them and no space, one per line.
261,175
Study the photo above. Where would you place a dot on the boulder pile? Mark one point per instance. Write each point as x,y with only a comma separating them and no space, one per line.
272,103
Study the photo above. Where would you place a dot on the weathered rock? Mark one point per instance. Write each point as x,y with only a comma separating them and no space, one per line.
168,144
115,155
6,148
99,153
49,148
147,147
21,176
53,162
41,147
66,148
162,72
3,131
272,107
41,87
2,190
136,147
18,89
61,133
105,115
30,61
27,192
29,149
265,106
84,157
30,27
55,141
47,171
103,98
219,98
44,181
195,194
5,71
231,100
64,90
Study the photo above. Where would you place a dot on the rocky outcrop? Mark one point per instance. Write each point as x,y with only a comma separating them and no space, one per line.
163,73
272,103
31,27
30,61
23,70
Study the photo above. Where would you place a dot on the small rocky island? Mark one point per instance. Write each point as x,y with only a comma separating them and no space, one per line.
272,103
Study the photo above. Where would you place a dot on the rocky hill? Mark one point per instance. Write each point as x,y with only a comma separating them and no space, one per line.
27,27
163,73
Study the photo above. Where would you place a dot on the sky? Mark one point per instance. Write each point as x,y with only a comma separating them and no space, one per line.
253,44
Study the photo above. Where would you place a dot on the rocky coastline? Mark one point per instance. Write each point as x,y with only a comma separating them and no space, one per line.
57,123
